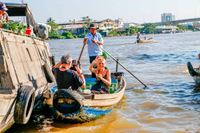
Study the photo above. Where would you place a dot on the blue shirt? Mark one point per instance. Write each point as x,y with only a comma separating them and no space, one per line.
93,49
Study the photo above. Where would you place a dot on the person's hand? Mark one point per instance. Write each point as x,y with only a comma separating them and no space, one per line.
85,41
99,76
94,62
95,41
79,71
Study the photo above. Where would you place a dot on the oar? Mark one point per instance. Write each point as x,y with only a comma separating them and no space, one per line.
81,55
122,65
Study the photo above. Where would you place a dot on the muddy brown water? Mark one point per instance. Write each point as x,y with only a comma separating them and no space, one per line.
170,104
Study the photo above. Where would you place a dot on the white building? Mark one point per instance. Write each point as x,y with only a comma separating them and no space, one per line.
167,17
128,25
166,29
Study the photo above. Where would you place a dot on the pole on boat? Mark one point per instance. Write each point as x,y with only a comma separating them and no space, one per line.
79,63
117,64
122,66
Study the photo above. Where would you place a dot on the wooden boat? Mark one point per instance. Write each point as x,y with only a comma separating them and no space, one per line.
194,72
74,105
24,71
141,41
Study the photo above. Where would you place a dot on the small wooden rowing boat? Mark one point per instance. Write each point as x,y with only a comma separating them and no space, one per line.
194,72
80,106
146,41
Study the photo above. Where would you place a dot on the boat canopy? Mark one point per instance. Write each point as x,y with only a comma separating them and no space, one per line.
17,10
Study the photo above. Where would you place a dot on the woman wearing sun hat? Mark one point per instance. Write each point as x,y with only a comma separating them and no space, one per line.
3,14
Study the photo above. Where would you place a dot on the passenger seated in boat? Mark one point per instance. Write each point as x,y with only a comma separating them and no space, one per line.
65,77
103,76
3,14
94,62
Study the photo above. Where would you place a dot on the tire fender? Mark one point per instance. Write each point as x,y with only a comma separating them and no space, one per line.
24,104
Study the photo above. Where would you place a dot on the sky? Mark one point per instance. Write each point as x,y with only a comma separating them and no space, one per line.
138,11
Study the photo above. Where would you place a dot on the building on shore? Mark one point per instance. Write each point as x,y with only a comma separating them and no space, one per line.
74,27
166,29
78,27
196,25
128,25
167,17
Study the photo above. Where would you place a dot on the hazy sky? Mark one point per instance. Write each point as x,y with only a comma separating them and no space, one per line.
138,11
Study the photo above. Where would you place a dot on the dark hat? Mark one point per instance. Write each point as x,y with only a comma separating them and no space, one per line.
3,7
93,26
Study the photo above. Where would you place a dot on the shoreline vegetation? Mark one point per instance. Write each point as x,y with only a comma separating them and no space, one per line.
133,30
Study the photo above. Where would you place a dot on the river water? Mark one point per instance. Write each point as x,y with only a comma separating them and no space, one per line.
170,104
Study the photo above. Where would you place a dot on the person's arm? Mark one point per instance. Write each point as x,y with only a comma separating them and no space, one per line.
85,41
80,74
100,38
83,78
91,68
99,41
106,81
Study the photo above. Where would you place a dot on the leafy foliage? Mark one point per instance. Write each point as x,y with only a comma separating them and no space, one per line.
16,27
67,35
149,28
54,29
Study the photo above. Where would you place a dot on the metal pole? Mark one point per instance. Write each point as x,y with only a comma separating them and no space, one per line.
80,54
122,66
117,64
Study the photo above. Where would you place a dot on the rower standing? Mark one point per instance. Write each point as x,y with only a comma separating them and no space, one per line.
94,41
138,37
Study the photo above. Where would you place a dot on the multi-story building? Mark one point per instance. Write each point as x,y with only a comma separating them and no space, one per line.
77,27
167,17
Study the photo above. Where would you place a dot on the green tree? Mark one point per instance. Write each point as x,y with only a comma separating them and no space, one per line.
113,32
132,30
53,24
182,28
54,29
86,22
191,27
149,28
67,35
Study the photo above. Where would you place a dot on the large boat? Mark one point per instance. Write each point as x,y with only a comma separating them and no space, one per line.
194,72
24,70
79,106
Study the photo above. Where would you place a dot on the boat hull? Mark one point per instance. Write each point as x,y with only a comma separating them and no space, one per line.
91,106
20,64
142,41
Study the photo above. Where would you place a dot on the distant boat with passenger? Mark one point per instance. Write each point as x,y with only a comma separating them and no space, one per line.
144,40
140,40
194,72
